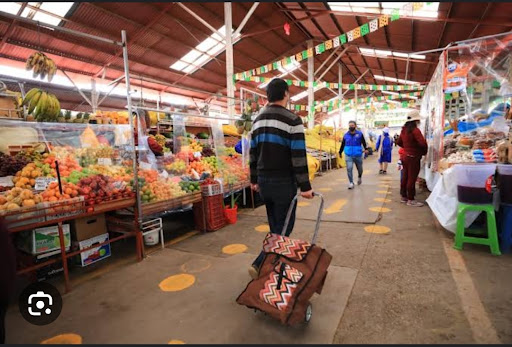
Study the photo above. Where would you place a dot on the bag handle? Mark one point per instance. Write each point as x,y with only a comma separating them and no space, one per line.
319,216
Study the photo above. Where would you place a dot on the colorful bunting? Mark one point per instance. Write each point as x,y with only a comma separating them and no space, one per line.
335,42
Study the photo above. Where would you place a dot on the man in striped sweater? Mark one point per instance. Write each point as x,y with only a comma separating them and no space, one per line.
278,161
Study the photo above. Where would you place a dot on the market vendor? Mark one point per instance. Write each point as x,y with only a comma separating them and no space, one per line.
238,146
415,146
144,120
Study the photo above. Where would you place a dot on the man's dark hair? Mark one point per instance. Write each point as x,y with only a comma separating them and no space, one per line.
276,89
352,122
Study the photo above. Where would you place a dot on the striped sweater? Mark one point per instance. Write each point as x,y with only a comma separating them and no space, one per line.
278,147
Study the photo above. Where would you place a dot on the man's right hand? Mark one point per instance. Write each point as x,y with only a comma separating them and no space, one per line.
255,187
308,195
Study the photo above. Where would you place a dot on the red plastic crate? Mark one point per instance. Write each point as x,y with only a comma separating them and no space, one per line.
215,218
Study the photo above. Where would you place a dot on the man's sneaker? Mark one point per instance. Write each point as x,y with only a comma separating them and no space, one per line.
414,203
359,181
404,200
253,272
351,185
381,172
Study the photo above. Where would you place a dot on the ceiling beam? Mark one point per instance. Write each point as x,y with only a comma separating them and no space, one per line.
246,18
11,27
137,35
489,4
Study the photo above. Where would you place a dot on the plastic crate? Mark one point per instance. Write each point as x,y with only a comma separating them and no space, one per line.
215,218
212,190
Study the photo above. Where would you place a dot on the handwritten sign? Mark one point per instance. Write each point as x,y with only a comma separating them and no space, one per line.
43,182
105,161
6,181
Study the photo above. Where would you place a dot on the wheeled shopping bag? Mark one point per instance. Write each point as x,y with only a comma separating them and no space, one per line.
291,272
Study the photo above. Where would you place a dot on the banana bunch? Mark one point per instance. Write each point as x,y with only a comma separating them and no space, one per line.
41,65
42,105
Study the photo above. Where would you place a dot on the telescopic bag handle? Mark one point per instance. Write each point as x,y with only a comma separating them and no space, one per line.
319,216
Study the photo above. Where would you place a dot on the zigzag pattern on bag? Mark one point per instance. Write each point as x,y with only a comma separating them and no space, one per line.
291,273
278,298
290,248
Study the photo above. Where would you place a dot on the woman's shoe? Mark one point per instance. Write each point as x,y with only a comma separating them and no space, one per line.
404,200
381,172
384,172
415,203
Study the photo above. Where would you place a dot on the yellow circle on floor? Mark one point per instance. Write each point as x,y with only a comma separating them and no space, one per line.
382,200
175,342
384,186
386,179
382,191
303,203
63,339
367,172
341,180
380,209
377,229
325,189
263,228
195,266
176,283
235,248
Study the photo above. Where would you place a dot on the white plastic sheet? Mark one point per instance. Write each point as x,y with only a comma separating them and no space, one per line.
443,202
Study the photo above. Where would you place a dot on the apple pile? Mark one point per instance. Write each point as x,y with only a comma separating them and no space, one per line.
99,188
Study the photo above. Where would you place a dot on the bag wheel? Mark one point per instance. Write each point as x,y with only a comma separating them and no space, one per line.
309,313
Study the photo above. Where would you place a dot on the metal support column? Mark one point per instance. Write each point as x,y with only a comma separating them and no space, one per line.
132,141
311,91
230,85
340,92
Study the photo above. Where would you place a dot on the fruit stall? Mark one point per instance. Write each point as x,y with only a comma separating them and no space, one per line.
54,175
178,162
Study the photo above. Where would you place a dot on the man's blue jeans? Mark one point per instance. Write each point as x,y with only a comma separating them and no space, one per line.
350,166
277,193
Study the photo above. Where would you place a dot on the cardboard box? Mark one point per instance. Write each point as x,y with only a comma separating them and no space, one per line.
44,240
95,254
89,227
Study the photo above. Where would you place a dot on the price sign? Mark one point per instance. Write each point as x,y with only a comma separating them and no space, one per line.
105,161
145,166
197,154
6,181
43,182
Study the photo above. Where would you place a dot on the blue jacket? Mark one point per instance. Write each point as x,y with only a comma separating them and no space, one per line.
353,144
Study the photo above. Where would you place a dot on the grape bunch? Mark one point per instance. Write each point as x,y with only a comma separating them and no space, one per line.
9,165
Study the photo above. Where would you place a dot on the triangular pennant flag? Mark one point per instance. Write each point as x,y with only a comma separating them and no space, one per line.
336,41
278,64
288,60
306,84
302,83
315,84
374,25
328,45
343,39
304,54
289,82
298,57
365,29
351,87
310,52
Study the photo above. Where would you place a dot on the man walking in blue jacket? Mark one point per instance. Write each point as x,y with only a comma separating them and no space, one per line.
351,145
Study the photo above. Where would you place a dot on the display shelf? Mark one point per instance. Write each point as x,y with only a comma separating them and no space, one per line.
158,207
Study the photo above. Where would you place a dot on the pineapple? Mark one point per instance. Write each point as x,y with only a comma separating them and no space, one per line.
61,118
78,118
67,116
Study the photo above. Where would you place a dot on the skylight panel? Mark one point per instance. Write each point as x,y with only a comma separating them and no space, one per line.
203,52
427,11
10,7
60,9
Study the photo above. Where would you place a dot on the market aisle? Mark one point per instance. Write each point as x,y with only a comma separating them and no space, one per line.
390,281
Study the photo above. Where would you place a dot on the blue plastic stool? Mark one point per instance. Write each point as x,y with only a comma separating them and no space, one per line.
505,226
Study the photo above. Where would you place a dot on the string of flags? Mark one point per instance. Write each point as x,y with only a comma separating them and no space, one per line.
331,105
346,86
361,31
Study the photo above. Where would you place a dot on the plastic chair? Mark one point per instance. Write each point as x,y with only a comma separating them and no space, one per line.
492,234
506,228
